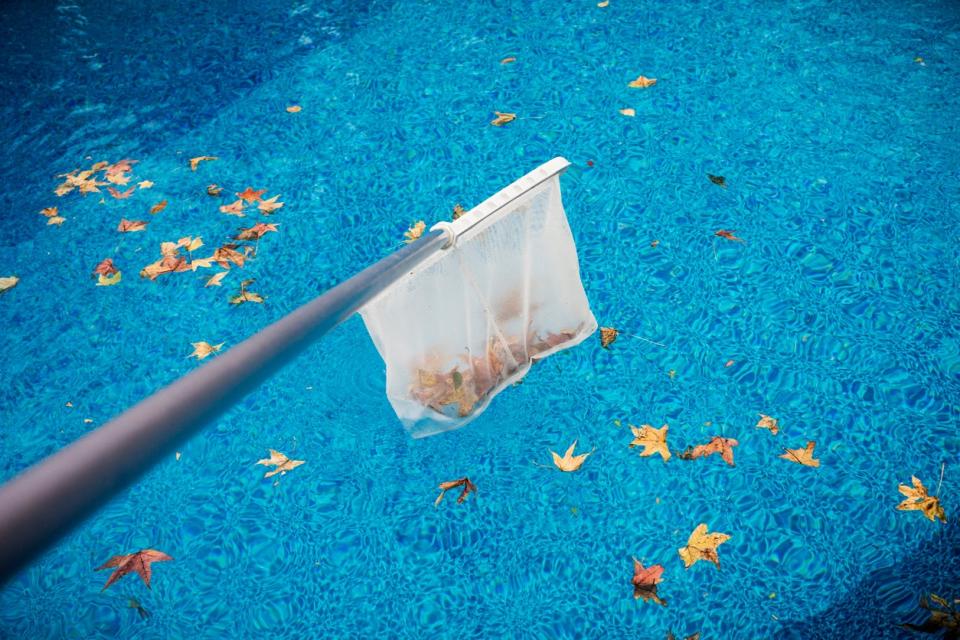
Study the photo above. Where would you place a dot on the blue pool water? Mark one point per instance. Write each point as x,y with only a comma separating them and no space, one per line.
840,312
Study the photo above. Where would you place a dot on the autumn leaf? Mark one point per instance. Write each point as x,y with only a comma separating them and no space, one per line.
728,235
702,546
157,208
603,4
269,205
214,190
917,499
608,336
117,172
106,281
458,211
129,226
502,118
766,422
569,462
139,562
49,212
281,462
652,440
145,184
294,108
215,279
642,82
802,456
233,209
695,636
57,220
645,581
246,296
190,244
228,253
255,232
717,180
7,283
468,488
413,233
944,617
171,262
508,60
105,268
203,349
121,195
195,161
628,112
249,195
134,604
723,446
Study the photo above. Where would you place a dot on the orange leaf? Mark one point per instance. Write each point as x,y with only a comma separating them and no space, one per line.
724,233
131,225
723,446
249,195
645,581
138,562
120,196
295,108
234,209
105,268
195,161
642,82
157,208
468,488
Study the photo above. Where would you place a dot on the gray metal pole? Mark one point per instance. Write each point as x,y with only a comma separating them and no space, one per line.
44,502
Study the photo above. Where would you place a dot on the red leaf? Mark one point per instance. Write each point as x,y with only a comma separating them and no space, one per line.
138,562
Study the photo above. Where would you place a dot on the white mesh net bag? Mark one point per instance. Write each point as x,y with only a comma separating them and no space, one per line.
472,319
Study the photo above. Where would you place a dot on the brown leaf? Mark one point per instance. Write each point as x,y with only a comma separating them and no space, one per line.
569,462
127,226
607,336
413,233
281,462
723,446
468,488
49,212
508,60
269,205
249,195
105,268
645,581
702,546
214,190
766,422
195,161
255,232
120,196
717,180
918,499
138,562
157,208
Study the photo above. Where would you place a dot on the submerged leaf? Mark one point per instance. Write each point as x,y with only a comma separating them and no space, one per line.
195,161
281,462
717,180
256,232
294,108
214,190
628,112
642,82
645,581
502,118
702,546
917,499
569,462
468,488
57,220
144,184
651,439
802,456
458,211
138,562
121,195
508,60
246,296
157,208
49,212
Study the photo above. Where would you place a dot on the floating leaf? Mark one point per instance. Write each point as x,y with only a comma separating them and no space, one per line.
766,422
695,636
255,232
105,268
171,262
607,336
802,456
57,220
203,349
7,283
117,172
215,279
121,195
281,462
628,112
917,499
645,581
294,108
651,439
943,618
413,233
468,488
49,212
195,161
190,244
642,82
502,118
717,180
603,4
569,462
228,254
214,190
249,195
458,211
106,281
129,226
723,446
508,60
269,205
145,184
157,208
246,296
702,546
138,562
234,209
724,233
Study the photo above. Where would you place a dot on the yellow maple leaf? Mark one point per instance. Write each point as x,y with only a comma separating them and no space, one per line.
413,233
502,118
651,439
802,456
203,349
215,279
702,546
195,161
281,462
642,82
8,282
917,499
766,422
106,281
569,462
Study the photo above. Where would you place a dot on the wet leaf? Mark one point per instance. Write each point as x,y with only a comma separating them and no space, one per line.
121,195
171,262
105,268
608,336
642,82
203,349
234,209
468,488
269,205
190,244
652,440
8,282
508,60
413,233
294,108
129,226
214,190
702,546
216,279
117,172
134,604
569,462
724,233
281,462
106,281
917,499
603,4
628,112
943,618
145,184
802,456
228,254
918,60
57,220
717,180
766,422
157,208
196,161
138,562
695,636
723,446
256,232
249,195
502,118
49,212
246,296
458,211
645,581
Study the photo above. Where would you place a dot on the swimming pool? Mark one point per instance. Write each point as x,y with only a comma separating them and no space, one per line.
838,314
